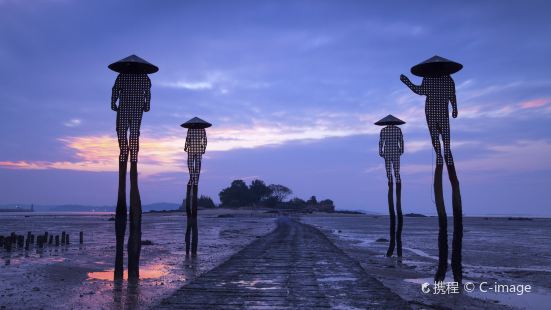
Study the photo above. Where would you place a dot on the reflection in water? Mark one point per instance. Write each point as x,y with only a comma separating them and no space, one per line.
132,294
117,294
131,298
146,272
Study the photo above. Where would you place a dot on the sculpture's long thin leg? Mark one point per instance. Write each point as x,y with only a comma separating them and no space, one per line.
400,218
188,217
120,222
443,225
457,226
134,240
195,230
392,219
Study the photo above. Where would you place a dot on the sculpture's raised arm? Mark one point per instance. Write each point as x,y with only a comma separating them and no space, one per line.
381,144
453,99
115,93
147,94
401,141
419,90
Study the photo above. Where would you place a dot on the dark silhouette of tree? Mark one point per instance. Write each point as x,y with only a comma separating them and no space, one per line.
237,195
132,91
297,203
206,202
259,191
279,192
273,195
312,201
439,88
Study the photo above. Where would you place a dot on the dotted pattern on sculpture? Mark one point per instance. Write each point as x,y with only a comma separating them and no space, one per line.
196,144
391,145
440,90
134,94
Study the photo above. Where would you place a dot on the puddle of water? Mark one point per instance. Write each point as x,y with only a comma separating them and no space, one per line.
146,272
252,284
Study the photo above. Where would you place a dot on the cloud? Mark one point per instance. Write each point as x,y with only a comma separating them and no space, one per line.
534,103
100,154
189,85
506,110
75,122
164,154
215,80
518,156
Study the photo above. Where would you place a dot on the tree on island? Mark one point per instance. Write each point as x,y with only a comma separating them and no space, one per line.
203,202
312,201
259,191
239,194
279,193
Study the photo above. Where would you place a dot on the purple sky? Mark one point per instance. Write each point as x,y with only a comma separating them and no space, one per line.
292,88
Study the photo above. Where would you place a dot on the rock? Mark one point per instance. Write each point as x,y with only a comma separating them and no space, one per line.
415,215
36,289
147,242
381,240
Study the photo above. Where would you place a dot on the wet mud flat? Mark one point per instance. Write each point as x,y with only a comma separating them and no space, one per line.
495,250
81,276
293,267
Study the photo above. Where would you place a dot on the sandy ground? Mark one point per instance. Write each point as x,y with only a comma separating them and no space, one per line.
494,250
80,277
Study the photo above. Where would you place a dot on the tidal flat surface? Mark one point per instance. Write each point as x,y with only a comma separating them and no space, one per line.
495,250
81,276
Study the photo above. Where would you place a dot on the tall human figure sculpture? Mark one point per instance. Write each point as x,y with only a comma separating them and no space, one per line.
196,144
391,147
132,90
439,88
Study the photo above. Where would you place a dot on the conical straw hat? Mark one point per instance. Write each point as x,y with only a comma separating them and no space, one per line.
196,123
435,66
133,64
389,120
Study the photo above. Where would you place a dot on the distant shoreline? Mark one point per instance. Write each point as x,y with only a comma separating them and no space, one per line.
229,210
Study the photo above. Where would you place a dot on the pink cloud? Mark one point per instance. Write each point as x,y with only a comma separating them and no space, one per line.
534,103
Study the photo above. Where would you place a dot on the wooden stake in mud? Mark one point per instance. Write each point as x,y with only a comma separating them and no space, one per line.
56,240
8,243
81,237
